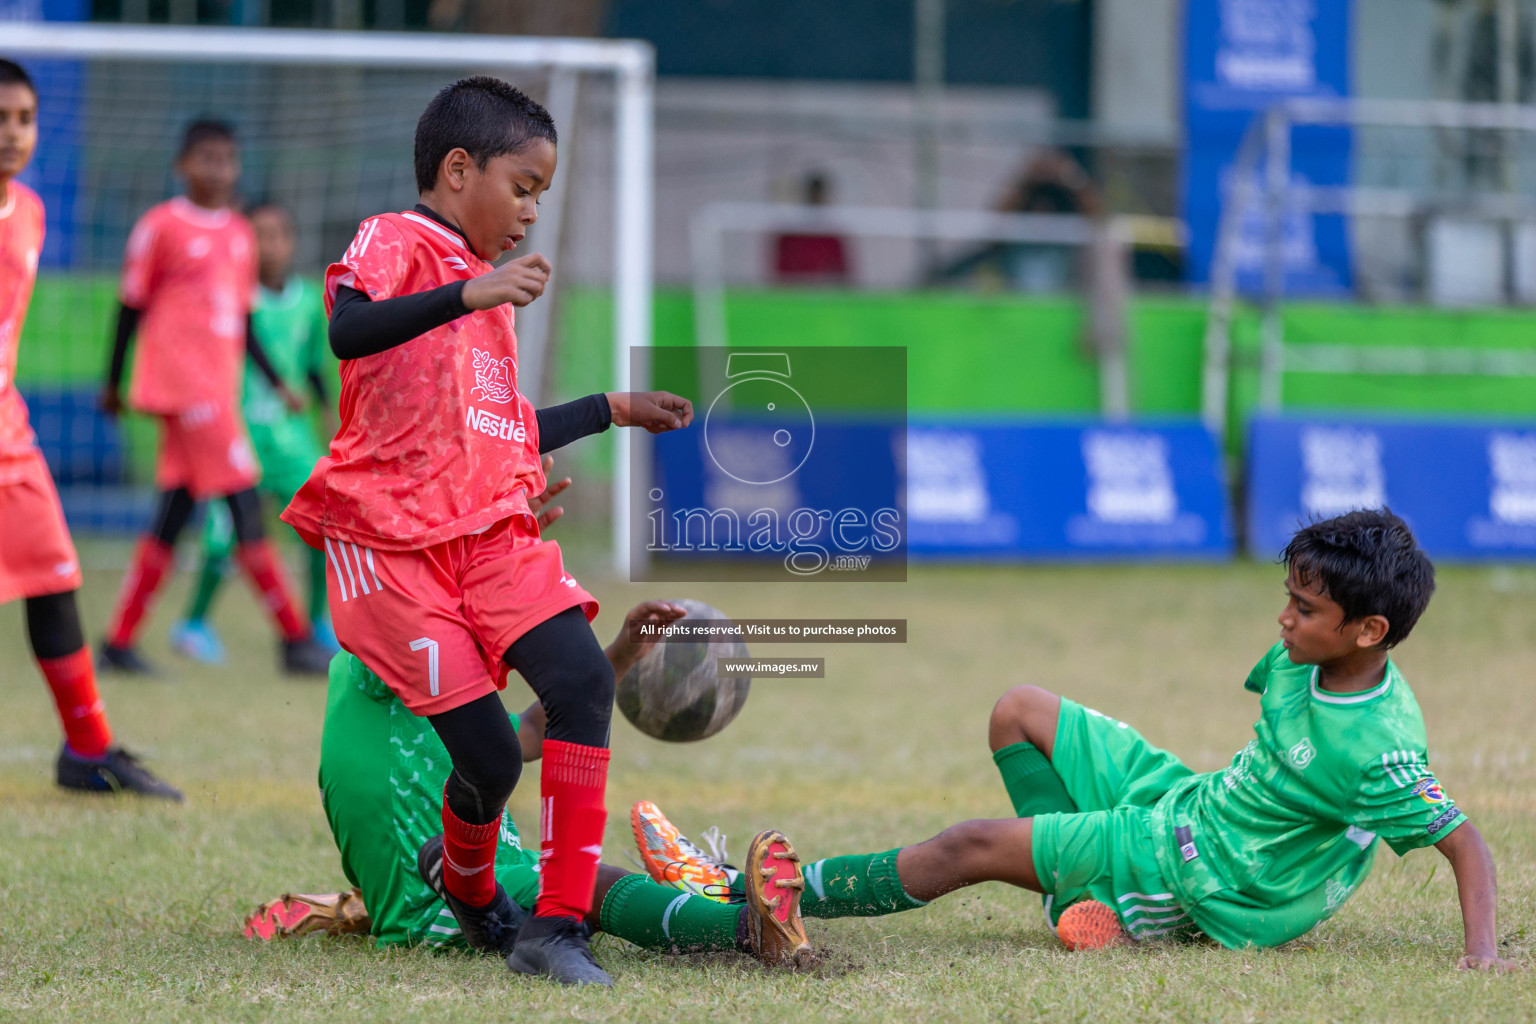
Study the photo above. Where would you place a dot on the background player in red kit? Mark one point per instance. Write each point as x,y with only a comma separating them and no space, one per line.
189,279
37,557
439,579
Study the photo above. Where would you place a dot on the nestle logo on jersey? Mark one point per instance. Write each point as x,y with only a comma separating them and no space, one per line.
494,378
504,427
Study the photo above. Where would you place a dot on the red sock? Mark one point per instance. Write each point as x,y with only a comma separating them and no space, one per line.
571,821
72,679
151,560
265,572
469,858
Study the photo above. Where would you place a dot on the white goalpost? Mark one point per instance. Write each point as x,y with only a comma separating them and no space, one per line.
630,64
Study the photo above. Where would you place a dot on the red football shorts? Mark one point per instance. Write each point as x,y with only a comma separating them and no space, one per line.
205,450
434,623
37,557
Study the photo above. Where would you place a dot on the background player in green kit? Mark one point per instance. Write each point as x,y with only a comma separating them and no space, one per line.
1126,842
289,319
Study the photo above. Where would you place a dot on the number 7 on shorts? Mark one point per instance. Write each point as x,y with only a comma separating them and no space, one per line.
430,646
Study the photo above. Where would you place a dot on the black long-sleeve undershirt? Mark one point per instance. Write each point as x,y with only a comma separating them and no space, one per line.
559,425
128,323
361,326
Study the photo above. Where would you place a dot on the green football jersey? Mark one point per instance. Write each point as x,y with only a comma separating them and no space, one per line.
1262,851
382,771
291,326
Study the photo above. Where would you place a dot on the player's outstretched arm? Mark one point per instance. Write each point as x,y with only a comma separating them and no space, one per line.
656,411
1477,887
627,648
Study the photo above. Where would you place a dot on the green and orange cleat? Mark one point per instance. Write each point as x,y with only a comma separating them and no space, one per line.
671,859
1089,925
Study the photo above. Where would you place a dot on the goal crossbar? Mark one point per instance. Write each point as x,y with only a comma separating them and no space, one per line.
319,46
631,62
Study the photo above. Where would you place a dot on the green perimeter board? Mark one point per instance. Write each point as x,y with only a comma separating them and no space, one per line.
977,355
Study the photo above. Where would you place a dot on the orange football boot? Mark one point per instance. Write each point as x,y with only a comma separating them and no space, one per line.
671,859
1090,925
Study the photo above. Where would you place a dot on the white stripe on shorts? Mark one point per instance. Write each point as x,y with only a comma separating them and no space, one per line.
359,559
341,583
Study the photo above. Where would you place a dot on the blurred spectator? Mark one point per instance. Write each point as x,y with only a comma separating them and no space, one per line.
811,259
1052,182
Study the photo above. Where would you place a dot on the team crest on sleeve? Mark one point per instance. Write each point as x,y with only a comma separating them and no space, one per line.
493,378
1429,791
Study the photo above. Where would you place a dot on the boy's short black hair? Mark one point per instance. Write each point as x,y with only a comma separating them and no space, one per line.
481,115
12,73
1369,563
204,130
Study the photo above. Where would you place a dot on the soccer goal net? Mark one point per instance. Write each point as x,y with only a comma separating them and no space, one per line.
325,123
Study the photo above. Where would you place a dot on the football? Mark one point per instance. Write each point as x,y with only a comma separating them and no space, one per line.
677,693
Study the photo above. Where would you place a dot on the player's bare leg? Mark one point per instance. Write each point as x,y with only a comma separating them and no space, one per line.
983,850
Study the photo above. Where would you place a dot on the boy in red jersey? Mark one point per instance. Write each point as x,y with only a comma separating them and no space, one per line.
189,279
37,557
440,581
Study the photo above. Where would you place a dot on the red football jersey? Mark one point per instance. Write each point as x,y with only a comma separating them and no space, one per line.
21,241
436,441
193,274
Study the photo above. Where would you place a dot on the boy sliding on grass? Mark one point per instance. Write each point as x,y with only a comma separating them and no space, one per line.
439,579
382,771
1125,842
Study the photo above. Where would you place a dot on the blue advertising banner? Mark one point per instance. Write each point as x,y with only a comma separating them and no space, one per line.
1065,491
989,490
55,166
1468,489
1241,57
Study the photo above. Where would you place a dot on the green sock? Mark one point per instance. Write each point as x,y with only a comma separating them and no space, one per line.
218,540
209,577
860,886
659,917
1033,785
317,604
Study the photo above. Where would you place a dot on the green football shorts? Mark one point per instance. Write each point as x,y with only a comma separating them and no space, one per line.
1105,851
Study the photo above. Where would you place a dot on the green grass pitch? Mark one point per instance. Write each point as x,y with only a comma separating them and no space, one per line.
121,910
